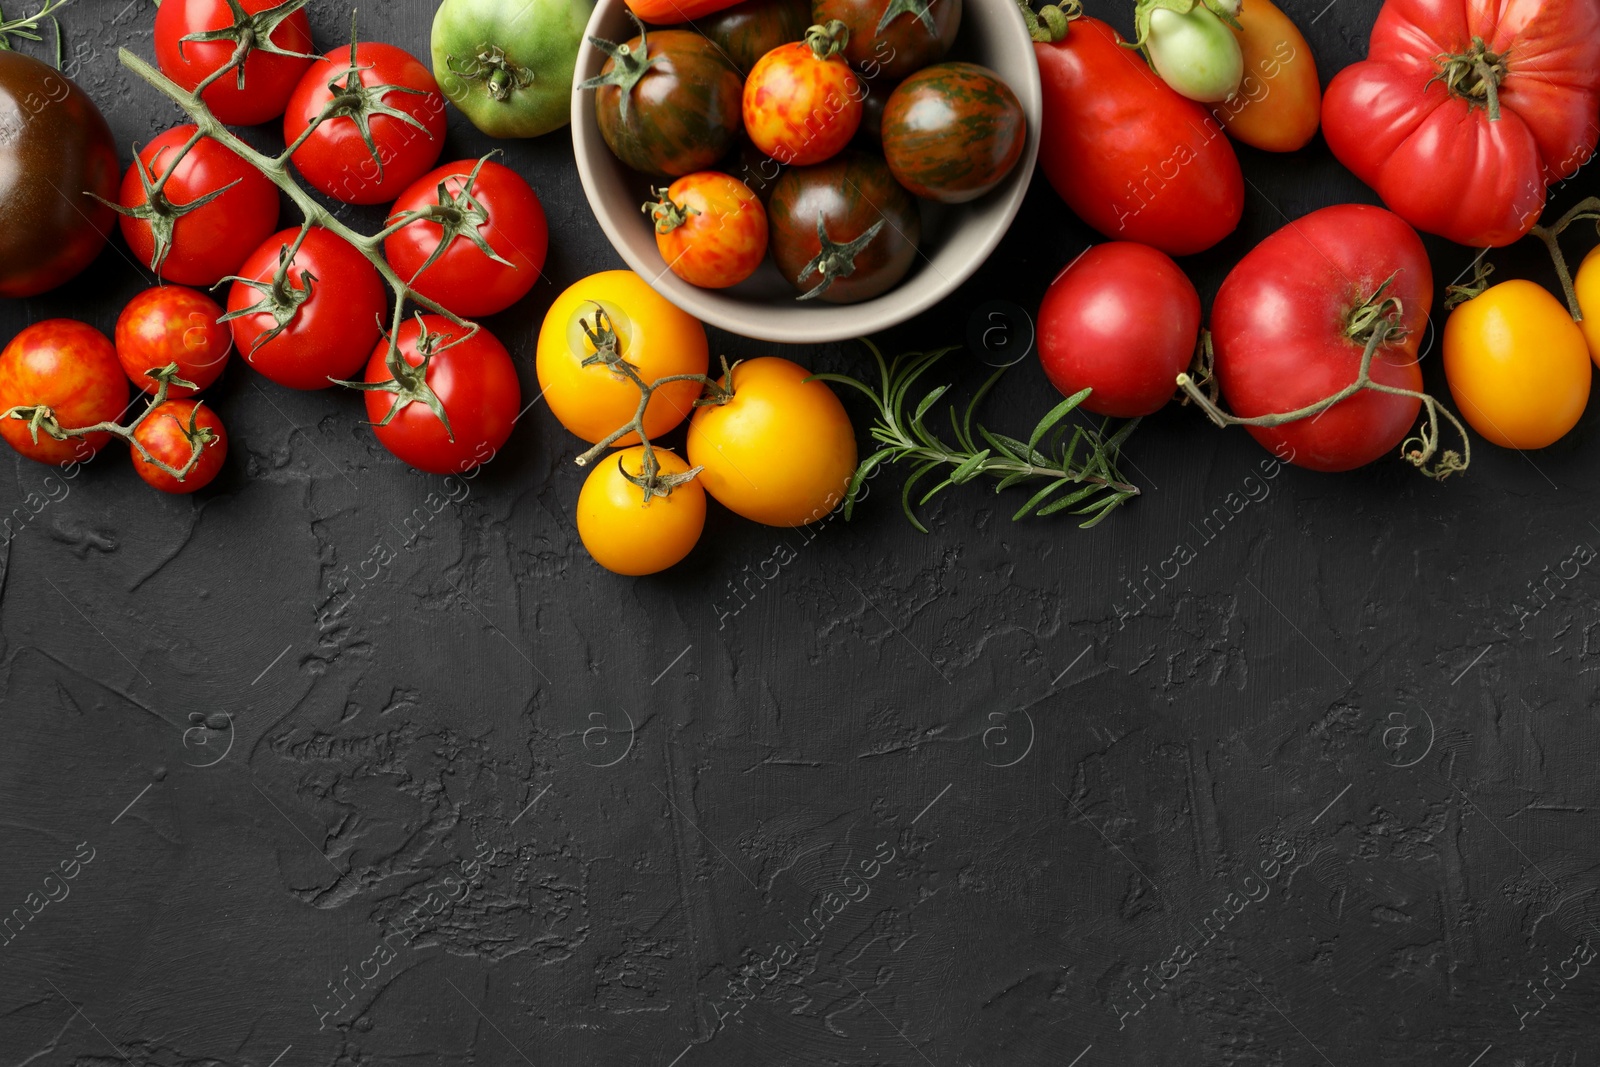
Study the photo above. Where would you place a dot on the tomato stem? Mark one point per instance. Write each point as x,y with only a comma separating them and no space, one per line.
1587,209
1052,22
827,39
499,74
1474,76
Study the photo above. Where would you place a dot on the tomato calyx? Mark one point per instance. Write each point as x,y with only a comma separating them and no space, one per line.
158,210
665,213
629,65
830,38
834,261
1373,323
360,103
458,214
249,33
1474,76
1456,295
408,383
921,10
1052,22
499,74
280,297
40,417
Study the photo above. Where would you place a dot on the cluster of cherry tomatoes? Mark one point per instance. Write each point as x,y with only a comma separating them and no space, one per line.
837,114
307,308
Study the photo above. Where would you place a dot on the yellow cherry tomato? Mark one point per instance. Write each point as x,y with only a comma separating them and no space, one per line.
1279,103
1517,365
1587,283
781,451
627,534
633,321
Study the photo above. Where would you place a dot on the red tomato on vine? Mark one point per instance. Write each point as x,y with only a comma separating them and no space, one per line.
169,433
72,369
196,38
802,102
173,324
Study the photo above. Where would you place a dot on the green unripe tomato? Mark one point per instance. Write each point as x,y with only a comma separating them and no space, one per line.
508,66
1195,53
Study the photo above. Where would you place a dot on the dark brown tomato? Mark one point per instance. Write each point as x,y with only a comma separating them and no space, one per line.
952,132
54,147
871,228
889,39
673,112
746,32
870,133
753,167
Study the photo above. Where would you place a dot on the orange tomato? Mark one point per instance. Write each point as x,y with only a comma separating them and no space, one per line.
627,534
781,452
1587,284
1517,365
802,102
672,12
710,229
653,336
1279,103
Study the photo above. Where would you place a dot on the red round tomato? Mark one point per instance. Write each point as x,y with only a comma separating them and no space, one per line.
1130,156
72,369
172,324
802,102
197,38
306,319
1292,320
179,241
1462,112
169,433
492,229
359,87
710,229
1122,320
472,381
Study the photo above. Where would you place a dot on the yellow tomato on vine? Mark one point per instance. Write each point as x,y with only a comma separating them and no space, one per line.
780,450
597,336
1587,284
630,532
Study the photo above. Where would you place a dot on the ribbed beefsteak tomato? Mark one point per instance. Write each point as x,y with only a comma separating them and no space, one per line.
1464,111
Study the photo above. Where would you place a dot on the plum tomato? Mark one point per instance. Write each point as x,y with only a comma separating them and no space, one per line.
210,214
452,405
384,128
710,229
746,32
952,131
844,230
173,324
667,103
1279,105
169,433
72,369
1121,320
1518,366
308,314
196,38
890,39
629,532
479,242
802,102
779,451
617,314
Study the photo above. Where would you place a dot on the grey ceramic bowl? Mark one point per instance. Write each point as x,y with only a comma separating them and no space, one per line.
955,240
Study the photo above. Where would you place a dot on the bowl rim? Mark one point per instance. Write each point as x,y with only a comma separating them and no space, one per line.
831,322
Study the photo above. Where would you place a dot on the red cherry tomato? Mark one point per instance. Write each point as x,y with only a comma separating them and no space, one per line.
165,433
474,381
802,102
71,368
208,242
500,209
1122,320
335,158
1131,157
332,301
172,324
710,229
1286,326
269,78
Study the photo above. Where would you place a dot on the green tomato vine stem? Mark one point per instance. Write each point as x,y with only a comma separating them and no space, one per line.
1587,209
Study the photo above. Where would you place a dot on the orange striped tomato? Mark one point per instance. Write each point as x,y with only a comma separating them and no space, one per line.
711,229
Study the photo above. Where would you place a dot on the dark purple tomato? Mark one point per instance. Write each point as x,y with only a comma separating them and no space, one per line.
667,103
746,32
54,147
842,231
753,167
952,132
891,38
870,133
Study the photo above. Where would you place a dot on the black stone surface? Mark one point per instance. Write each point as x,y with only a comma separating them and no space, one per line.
649,785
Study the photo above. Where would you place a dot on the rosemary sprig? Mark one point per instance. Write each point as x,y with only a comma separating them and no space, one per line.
1050,455
25,26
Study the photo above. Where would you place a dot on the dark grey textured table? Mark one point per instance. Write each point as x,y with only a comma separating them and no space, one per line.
856,796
